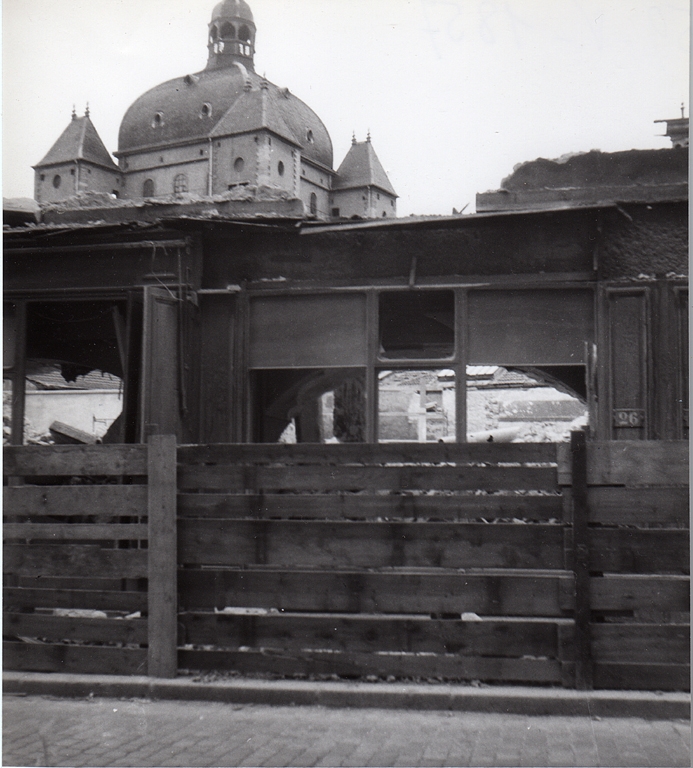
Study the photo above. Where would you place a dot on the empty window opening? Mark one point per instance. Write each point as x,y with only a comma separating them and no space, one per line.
280,168
313,204
228,31
206,111
417,325
525,405
310,137
213,34
238,164
57,181
309,405
244,33
148,188
416,406
158,120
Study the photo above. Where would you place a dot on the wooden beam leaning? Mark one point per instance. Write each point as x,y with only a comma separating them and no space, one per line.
162,657
583,660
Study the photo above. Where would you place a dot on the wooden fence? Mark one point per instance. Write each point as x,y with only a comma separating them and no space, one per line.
542,563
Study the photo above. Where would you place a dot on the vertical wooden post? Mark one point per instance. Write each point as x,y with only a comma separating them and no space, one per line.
372,325
583,645
461,347
162,626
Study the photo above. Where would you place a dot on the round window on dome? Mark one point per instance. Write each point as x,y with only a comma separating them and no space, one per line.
158,120
206,110
57,181
310,137
280,168
238,164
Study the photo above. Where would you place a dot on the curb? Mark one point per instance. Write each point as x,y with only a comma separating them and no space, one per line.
499,700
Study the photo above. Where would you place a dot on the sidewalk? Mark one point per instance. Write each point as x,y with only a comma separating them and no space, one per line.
93,731
494,699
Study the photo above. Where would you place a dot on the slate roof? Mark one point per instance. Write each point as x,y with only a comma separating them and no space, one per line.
361,168
254,110
180,102
79,141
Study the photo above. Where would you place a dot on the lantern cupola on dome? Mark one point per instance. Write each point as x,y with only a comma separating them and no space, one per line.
231,35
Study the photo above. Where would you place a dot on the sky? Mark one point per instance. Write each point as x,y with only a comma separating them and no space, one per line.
455,93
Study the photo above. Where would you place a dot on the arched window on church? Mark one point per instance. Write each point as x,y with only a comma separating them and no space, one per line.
313,204
148,188
244,34
180,184
213,34
227,30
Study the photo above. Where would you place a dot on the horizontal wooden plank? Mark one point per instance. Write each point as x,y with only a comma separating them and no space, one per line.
74,560
59,500
354,506
371,634
489,593
638,506
642,677
365,453
74,659
350,665
631,550
78,460
330,544
351,478
68,531
631,592
16,598
75,628
638,462
641,643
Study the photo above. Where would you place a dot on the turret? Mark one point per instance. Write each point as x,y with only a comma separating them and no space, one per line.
231,35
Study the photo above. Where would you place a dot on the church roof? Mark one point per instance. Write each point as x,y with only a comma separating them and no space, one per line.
257,109
361,168
79,141
184,116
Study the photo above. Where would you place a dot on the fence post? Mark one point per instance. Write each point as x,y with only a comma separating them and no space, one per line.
583,643
162,629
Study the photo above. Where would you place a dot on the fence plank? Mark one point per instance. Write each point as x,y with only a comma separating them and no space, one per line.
75,628
642,677
57,531
74,659
369,544
628,592
641,643
78,460
638,506
73,560
98,500
343,506
373,634
104,600
162,604
488,593
638,463
367,454
630,550
350,665
351,478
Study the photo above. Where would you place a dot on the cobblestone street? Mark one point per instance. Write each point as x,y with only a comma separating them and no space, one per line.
47,731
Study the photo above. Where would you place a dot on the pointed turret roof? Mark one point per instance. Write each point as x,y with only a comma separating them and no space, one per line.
361,168
79,141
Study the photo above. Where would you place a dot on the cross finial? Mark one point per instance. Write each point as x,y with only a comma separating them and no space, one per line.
682,107
86,111
74,112
353,137
368,136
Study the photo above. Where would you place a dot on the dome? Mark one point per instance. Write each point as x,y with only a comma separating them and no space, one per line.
238,9
194,107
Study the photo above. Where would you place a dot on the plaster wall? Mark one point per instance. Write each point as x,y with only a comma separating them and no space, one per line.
226,152
164,177
88,177
77,408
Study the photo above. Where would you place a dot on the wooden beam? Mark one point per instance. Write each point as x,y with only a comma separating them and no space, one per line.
162,602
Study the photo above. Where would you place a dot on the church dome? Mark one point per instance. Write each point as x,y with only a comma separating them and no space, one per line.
201,105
